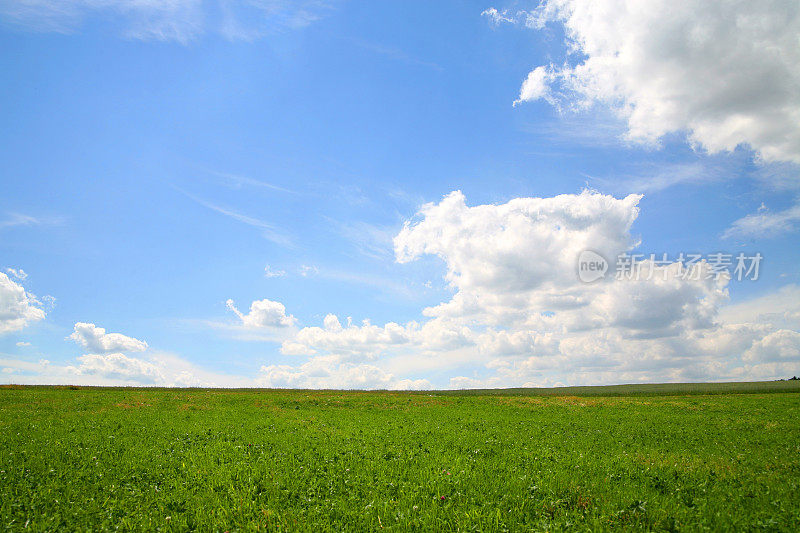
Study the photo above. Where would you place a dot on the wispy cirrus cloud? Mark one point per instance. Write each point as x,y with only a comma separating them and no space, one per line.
269,231
405,288
237,181
180,21
12,220
395,54
18,219
655,177
369,240
765,223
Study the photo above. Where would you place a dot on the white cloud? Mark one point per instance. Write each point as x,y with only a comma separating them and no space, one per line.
779,309
463,382
296,348
515,265
518,316
308,270
117,365
522,245
520,311
535,86
269,273
166,370
781,345
17,273
367,342
264,314
96,340
357,342
724,71
167,20
117,369
497,17
23,343
328,372
18,308
765,223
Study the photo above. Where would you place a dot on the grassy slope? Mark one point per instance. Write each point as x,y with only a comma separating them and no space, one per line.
333,460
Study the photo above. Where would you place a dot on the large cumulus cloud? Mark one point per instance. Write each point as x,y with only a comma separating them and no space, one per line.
520,311
96,340
725,71
18,308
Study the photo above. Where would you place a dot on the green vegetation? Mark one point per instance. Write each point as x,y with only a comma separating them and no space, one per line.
156,459
649,389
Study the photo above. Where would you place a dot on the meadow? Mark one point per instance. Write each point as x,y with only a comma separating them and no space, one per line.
716,457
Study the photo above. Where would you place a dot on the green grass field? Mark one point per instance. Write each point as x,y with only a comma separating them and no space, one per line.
679,457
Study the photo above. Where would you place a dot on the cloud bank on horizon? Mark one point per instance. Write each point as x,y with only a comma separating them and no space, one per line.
518,309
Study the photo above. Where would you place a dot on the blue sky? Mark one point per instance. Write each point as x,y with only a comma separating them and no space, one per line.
155,163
